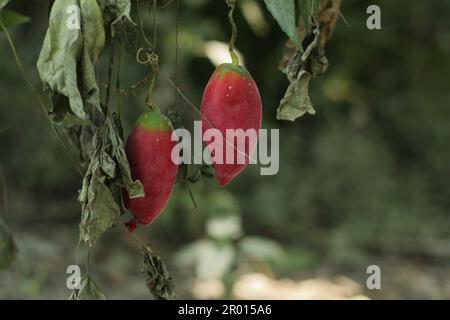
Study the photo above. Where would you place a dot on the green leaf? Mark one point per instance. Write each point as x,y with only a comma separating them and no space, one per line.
3,3
305,8
284,13
157,277
88,291
309,10
296,101
67,60
11,19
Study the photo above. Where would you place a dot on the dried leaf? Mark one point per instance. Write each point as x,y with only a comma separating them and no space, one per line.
81,136
88,291
67,59
157,277
296,101
99,209
299,66
127,35
115,11
108,173
327,16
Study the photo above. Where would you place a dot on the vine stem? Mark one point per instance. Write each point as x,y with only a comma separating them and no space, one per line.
151,60
231,5
148,99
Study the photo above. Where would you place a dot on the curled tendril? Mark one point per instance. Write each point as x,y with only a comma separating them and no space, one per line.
148,57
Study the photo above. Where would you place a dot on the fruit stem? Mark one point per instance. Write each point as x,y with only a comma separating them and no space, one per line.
148,99
151,60
231,5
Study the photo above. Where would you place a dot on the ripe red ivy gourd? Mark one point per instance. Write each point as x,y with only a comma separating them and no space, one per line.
231,100
149,148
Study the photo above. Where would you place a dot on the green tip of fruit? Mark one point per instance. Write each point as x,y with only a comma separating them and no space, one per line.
154,120
224,68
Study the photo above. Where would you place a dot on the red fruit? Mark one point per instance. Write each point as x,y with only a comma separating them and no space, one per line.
231,101
148,150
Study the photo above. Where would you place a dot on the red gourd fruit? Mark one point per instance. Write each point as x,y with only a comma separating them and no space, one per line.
148,149
231,100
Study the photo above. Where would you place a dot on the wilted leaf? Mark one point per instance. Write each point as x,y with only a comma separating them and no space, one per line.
88,291
3,3
11,19
81,136
284,13
127,35
67,59
300,69
115,11
93,43
99,208
107,174
296,101
157,277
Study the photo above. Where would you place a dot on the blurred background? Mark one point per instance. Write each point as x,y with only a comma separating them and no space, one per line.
363,182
